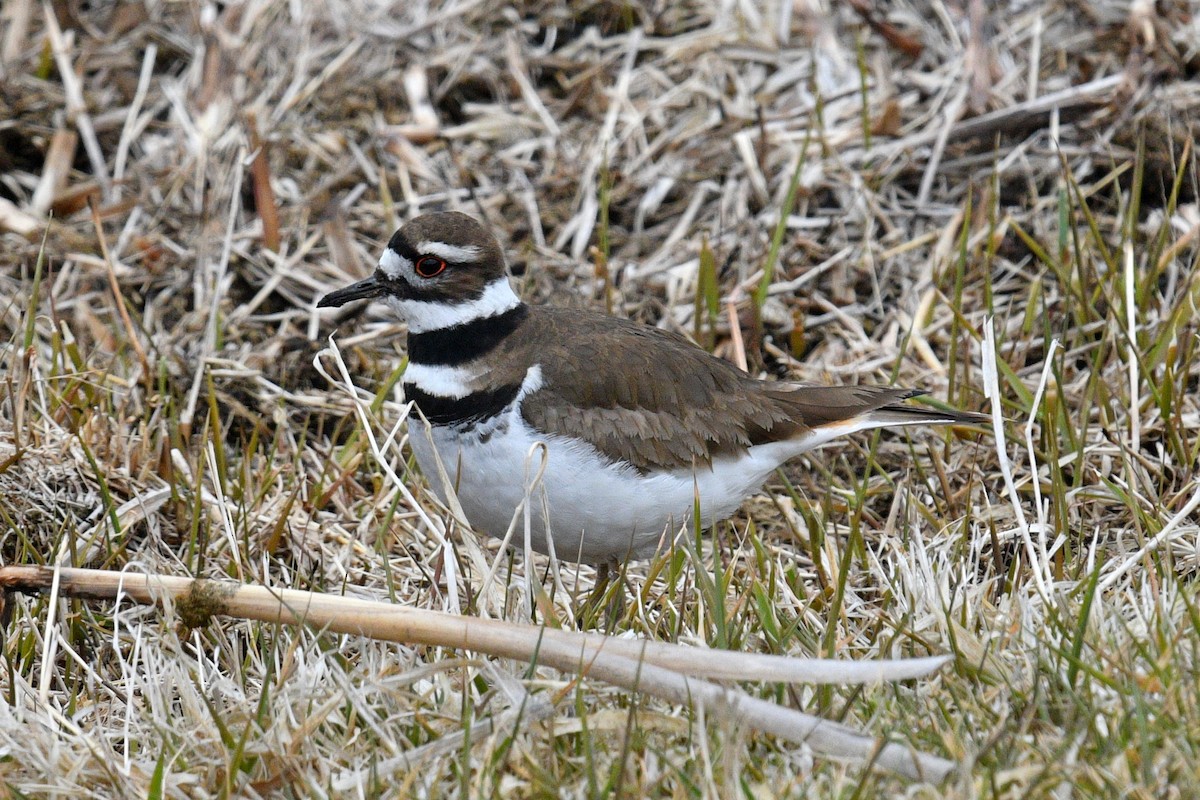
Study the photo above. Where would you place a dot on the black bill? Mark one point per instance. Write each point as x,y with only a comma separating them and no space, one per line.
363,290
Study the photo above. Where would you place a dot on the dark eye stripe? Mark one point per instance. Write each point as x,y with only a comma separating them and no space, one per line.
399,244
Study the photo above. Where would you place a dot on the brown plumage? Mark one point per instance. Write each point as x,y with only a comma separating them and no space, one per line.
655,400
638,425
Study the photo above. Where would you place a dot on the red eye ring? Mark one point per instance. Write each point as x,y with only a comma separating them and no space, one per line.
429,266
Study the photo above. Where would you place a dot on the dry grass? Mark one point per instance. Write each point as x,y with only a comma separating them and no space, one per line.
942,170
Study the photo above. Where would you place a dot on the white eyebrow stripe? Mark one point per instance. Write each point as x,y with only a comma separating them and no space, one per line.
440,380
433,315
395,265
460,254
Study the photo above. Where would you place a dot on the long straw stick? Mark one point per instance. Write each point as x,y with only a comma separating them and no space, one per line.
654,668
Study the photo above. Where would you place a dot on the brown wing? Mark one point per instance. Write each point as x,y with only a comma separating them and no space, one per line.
654,399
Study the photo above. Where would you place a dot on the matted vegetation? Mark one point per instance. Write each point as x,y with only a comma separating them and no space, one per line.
957,183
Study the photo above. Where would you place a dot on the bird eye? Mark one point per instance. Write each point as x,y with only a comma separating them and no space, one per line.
429,266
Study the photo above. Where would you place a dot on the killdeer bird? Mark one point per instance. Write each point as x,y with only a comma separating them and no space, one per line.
639,424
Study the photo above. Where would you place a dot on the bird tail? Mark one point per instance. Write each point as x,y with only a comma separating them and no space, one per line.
904,414
828,412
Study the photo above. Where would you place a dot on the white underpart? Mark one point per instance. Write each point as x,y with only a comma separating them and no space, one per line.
443,381
428,315
826,433
598,511
530,383
461,254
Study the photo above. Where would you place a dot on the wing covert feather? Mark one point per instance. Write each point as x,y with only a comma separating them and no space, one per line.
644,395
653,399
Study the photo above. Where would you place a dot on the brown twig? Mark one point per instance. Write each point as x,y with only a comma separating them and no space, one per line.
260,179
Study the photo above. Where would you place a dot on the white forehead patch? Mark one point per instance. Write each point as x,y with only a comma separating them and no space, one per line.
457,253
395,265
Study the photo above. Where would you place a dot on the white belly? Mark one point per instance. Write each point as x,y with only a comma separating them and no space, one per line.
597,511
